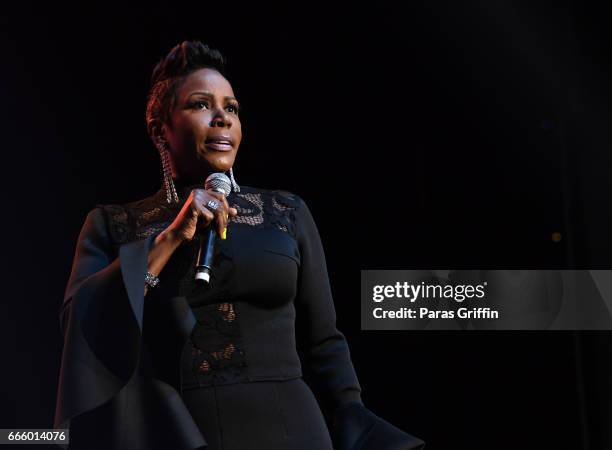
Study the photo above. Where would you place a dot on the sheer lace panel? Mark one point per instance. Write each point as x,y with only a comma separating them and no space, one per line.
217,348
256,207
266,209
138,220
250,209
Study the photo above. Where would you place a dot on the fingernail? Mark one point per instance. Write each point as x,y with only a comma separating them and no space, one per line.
224,235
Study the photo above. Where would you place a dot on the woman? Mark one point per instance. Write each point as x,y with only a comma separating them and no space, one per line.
252,360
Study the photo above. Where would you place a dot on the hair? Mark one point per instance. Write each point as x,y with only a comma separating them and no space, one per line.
171,71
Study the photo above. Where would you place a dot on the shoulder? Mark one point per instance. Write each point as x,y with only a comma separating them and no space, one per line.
136,219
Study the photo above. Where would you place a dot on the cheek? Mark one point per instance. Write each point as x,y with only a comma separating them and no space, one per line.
198,123
192,129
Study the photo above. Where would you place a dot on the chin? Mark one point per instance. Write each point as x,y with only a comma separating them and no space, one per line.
217,162
220,166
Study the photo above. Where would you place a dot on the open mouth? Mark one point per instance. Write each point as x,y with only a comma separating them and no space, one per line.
218,144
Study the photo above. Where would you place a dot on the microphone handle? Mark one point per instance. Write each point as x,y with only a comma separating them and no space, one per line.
205,254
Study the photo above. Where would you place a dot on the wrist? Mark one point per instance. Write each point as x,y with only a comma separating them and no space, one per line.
169,237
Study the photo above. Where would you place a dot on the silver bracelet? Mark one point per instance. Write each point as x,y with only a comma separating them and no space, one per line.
151,279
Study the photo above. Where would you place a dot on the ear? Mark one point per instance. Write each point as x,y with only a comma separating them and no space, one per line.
156,131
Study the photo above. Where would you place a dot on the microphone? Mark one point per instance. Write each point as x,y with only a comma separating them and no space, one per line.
218,182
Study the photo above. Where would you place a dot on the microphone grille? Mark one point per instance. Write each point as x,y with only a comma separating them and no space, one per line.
219,182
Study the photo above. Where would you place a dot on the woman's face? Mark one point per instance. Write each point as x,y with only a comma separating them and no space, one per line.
204,131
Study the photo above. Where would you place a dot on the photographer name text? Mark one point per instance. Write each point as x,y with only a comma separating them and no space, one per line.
423,292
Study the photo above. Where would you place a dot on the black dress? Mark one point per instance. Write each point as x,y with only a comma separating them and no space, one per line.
251,361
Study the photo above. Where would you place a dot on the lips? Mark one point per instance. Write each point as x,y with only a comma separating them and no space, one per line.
219,143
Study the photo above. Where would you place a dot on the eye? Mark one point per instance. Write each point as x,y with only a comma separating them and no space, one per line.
199,103
234,108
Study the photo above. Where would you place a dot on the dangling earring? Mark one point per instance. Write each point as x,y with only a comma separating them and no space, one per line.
171,194
235,186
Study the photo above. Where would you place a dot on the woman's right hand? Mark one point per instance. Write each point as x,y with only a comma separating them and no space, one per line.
195,216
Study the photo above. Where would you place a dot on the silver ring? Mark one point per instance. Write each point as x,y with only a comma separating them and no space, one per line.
212,205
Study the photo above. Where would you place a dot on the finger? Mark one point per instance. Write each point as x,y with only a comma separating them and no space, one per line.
199,200
209,198
223,209
222,198
198,193
206,214
221,220
233,212
219,215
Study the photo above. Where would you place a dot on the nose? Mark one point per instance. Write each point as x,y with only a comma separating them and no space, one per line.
220,119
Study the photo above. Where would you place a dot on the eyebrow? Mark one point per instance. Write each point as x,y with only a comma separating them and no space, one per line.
227,97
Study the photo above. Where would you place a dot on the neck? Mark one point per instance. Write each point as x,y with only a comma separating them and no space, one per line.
184,185
184,181
191,179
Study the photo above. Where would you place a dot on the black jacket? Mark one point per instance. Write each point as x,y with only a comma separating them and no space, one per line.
122,389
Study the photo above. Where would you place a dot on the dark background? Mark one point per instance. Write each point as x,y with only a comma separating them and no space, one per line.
442,135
